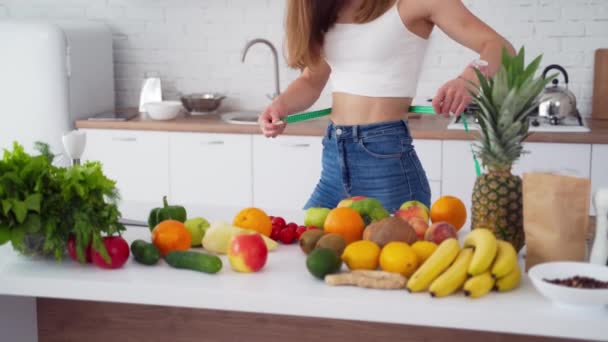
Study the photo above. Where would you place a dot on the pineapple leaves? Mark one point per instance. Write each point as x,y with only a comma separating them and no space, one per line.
529,71
505,101
501,87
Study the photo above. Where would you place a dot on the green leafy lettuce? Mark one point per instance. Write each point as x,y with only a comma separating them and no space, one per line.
41,205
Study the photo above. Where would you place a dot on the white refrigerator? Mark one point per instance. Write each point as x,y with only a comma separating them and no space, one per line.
51,74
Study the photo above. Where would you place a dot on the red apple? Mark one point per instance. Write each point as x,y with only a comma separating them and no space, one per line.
440,231
419,225
247,253
118,250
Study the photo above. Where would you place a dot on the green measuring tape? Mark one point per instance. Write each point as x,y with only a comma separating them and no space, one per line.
323,112
412,109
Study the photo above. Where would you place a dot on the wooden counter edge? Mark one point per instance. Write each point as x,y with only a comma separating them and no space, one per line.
64,320
420,127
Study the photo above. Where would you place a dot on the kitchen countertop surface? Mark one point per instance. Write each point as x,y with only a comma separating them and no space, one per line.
285,287
421,127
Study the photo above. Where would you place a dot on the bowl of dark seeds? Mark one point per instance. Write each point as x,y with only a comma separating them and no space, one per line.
571,283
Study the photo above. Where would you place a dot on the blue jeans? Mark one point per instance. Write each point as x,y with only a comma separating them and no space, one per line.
376,160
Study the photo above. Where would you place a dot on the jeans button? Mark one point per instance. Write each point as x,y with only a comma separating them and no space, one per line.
339,131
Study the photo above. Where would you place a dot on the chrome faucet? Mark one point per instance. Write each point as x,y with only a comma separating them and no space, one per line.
276,62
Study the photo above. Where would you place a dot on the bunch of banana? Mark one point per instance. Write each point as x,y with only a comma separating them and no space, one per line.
484,263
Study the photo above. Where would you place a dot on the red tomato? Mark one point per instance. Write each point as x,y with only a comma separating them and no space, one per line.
72,250
117,248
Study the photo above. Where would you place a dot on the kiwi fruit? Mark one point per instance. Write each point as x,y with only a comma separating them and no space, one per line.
334,242
308,240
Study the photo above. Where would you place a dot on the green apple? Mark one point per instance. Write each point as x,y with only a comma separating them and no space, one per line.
316,217
197,227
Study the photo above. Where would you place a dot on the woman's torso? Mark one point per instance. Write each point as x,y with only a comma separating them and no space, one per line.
402,29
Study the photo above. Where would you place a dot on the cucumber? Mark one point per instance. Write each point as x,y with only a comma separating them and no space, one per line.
194,261
145,252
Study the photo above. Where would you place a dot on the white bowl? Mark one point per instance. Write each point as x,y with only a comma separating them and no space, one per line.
568,296
163,110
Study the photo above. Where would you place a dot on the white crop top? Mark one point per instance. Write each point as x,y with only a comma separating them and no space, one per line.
380,58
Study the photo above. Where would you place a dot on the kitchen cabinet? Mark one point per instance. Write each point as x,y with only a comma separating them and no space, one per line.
570,159
244,170
429,153
435,190
599,169
458,172
207,168
136,160
285,171
299,166
567,159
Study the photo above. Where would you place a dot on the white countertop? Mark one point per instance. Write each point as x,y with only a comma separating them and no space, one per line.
285,287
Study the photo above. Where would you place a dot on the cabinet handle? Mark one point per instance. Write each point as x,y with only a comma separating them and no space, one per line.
124,139
301,145
213,142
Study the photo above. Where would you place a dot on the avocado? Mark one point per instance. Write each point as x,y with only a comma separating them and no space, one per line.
323,261
334,242
309,239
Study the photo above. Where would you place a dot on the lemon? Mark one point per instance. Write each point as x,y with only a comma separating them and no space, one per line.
423,250
361,255
398,257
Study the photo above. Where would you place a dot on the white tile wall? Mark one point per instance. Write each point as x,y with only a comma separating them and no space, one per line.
196,44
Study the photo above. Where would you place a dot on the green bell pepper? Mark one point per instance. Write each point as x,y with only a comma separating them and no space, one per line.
166,212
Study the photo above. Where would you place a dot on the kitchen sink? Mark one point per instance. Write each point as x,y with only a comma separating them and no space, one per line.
241,117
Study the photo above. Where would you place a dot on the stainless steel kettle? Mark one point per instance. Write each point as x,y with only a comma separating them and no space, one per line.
557,103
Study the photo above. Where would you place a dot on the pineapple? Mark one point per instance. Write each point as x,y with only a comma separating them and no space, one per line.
504,101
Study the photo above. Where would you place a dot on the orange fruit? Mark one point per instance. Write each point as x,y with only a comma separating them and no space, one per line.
171,235
254,219
449,209
345,222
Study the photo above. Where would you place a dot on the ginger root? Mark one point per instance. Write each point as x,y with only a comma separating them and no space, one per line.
368,279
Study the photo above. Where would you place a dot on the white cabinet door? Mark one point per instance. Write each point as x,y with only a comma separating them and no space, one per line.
571,159
136,160
209,168
567,159
599,170
458,173
429,153
285,171
435,190
458,176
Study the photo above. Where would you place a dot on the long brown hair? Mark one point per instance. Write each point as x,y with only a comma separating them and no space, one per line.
308,20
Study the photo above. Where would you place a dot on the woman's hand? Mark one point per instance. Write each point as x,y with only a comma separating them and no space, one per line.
272,114
453,97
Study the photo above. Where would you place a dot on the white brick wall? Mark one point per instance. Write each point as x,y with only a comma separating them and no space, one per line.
196,44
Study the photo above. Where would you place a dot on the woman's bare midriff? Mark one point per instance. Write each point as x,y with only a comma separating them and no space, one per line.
349,109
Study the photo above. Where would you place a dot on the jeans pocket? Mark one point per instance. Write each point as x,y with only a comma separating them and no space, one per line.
424,182
383,147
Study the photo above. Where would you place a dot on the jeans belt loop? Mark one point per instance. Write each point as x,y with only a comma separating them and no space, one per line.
356,132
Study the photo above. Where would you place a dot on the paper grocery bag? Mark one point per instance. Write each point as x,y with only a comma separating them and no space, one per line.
556,217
